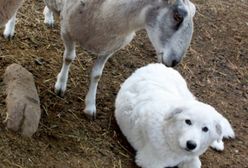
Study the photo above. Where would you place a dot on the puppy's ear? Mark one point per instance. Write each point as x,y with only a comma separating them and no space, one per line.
227,131
174,112
224,128
218,144
218,130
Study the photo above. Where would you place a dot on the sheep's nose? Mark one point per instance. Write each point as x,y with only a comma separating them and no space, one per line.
191,145
174,63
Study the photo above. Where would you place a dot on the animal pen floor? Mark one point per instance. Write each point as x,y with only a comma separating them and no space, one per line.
216,68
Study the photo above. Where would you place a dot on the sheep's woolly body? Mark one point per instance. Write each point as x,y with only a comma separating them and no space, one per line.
8,9
55,5
79,20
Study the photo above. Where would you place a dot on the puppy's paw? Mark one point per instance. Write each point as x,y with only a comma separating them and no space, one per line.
218,145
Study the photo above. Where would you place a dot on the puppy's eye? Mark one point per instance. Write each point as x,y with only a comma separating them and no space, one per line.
188,122
205,129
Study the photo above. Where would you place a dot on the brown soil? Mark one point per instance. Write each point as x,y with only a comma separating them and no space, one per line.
215,68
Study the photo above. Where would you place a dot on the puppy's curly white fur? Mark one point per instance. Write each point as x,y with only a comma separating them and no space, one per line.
164,122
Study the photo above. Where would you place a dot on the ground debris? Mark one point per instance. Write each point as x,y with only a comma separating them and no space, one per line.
23,104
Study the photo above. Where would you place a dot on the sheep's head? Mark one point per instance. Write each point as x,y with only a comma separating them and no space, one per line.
170,28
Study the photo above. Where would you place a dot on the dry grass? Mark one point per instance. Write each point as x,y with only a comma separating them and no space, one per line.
215,68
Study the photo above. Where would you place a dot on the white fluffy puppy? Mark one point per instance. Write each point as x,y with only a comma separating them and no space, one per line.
164,122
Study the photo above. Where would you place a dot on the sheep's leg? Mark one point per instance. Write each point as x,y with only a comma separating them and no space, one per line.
96,73
10,28
49,19
69,56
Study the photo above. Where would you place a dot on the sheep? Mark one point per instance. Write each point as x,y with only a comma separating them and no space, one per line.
164,122
8,9
102,27
50,8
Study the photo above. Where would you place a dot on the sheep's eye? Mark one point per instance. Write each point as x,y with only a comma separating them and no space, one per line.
188,122
205,129
178,17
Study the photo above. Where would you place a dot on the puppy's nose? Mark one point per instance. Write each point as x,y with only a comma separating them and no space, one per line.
191,145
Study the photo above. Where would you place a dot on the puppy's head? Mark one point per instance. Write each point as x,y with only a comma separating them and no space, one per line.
191,128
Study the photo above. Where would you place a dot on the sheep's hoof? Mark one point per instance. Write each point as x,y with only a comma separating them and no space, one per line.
8,36
90,112
50,25
59,92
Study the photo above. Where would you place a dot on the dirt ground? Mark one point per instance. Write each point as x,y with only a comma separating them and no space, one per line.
216,68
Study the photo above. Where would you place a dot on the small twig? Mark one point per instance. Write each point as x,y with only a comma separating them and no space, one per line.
13,164
95,164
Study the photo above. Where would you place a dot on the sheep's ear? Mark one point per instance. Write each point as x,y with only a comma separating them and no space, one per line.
192,8
165,2
174,112
170,1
